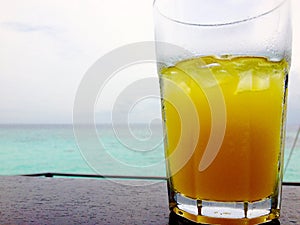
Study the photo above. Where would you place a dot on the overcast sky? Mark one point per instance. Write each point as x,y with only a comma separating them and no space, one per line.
46,46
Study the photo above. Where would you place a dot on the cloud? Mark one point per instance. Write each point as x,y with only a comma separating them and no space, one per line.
24,27
47,46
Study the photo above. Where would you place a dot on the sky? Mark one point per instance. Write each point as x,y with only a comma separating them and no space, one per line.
46,47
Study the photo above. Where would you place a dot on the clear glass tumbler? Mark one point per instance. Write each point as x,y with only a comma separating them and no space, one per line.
223,87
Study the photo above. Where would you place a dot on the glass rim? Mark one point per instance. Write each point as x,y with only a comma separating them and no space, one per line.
277,6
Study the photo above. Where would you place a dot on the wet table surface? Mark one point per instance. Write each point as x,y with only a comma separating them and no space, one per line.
39,200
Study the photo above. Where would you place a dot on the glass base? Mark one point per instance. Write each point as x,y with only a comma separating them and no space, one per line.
233,213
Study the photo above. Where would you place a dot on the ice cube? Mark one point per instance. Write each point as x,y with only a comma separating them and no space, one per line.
260,83
249,81
245,83
210,65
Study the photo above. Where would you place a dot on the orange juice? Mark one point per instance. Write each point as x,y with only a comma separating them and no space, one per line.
248,163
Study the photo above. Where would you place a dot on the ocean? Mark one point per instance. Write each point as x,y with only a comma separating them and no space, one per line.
134,151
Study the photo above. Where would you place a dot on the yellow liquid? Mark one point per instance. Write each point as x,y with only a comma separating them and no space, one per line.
247,166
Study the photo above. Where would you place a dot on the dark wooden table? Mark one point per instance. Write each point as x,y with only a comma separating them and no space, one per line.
37,200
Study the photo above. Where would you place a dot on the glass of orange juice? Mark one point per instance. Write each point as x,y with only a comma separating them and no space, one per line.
224,90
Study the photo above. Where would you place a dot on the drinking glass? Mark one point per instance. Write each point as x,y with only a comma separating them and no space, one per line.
223,69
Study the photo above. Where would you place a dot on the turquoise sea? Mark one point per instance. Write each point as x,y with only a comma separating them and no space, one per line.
138,150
